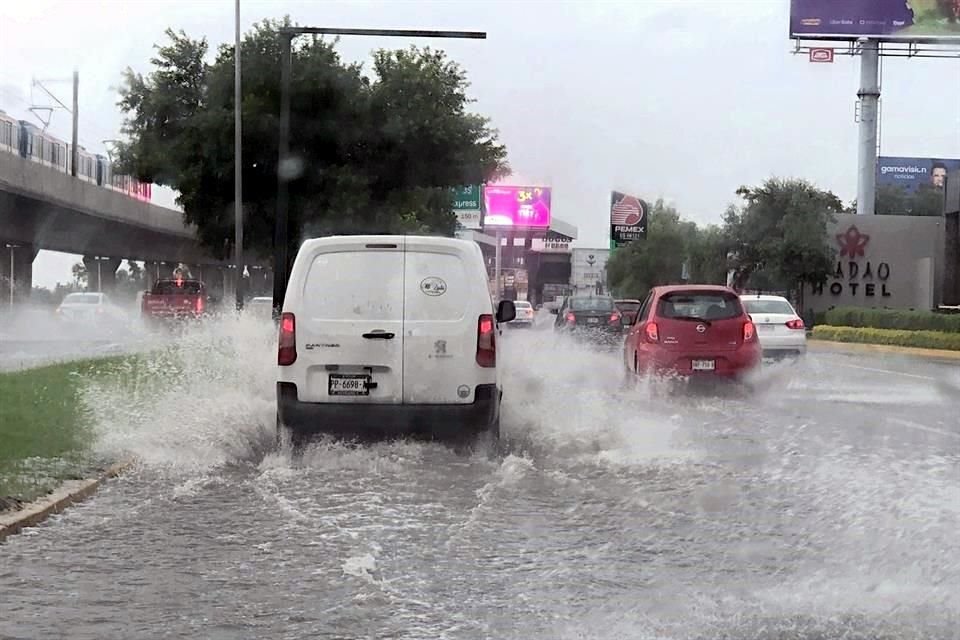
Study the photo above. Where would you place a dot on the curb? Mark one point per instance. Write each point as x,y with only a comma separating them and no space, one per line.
70,492
861,347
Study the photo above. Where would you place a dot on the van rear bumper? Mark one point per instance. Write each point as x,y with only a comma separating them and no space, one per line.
386,420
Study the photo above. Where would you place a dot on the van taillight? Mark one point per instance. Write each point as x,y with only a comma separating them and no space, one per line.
486,342
652,331
287,354
749,331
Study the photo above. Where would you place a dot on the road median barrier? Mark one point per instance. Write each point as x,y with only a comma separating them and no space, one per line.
934,344
70,492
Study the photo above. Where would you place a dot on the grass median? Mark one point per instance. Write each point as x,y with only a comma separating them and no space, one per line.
944,340
46,435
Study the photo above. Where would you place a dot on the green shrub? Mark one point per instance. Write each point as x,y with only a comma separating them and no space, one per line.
892,319
894,337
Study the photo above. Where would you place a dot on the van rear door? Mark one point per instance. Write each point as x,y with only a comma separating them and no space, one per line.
350,323
440,322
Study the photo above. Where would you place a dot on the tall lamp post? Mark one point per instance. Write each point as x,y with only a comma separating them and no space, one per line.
284,165
11,247
237,163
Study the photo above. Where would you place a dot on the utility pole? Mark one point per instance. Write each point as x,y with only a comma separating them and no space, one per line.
11,247
869,95
284,164
238,163
75,154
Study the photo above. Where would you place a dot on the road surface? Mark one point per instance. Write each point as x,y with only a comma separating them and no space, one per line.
824,505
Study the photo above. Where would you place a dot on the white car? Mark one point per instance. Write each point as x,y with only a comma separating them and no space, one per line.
524,314
387,336
88,308
779,327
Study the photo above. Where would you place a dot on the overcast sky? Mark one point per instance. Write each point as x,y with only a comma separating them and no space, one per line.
680,99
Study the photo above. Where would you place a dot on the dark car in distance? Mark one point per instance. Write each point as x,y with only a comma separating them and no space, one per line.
692,331
628,309
594,318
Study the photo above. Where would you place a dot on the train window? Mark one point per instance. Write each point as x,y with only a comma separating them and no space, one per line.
6,134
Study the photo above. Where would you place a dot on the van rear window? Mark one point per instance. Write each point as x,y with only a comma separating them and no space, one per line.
355,285
699,305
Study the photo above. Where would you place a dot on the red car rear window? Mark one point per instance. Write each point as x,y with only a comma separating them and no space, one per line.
699,305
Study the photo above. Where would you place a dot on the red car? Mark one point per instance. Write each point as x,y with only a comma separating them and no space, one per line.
692,331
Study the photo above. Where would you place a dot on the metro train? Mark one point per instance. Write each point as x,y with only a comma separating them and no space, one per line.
30,142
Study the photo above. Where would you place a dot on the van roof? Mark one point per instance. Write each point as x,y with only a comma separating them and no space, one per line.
438,241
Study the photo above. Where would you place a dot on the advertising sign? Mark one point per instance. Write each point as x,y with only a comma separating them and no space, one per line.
876,268
553,243
466,205
516,206
821,54
904,20
914,173
628,219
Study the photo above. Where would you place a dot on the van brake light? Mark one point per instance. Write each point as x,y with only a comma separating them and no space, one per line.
287,353
486,342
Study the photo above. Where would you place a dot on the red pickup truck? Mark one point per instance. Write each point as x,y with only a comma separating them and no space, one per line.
174,299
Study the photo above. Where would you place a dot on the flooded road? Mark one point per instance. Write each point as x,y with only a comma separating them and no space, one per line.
824,505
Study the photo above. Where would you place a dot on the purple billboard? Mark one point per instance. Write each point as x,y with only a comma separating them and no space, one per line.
885,19
516,206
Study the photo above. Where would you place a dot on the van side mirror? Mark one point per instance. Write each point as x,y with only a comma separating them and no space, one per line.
506,311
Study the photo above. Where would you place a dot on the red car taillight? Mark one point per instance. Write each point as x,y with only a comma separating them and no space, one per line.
749,332
795,324
652,332
615,317
571,319
486,342
287,353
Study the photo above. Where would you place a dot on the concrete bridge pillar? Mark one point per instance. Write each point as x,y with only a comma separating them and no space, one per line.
20,256
101,272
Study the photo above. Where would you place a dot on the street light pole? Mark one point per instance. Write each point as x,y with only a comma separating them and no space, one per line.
285,165
237,162
11,247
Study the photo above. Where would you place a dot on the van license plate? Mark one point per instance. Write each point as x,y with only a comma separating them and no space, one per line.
704,365
345,384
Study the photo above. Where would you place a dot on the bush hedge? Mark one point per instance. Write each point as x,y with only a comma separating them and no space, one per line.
894,337
892,319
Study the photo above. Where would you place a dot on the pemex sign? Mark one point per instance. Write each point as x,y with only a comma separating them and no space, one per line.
628,219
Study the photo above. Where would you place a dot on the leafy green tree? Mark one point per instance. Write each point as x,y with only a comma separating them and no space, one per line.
371,153
780,233
657,260
79,272
707,249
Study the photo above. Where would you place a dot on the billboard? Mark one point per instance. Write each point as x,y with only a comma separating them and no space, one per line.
914,173
628,219
516,206
905,20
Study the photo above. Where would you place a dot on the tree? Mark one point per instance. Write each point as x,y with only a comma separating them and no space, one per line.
371,153
780,233
659,259
79,271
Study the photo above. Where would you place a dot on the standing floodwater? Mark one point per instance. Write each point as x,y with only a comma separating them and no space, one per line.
810,509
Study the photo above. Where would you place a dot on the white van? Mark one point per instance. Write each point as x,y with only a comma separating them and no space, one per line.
389,335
